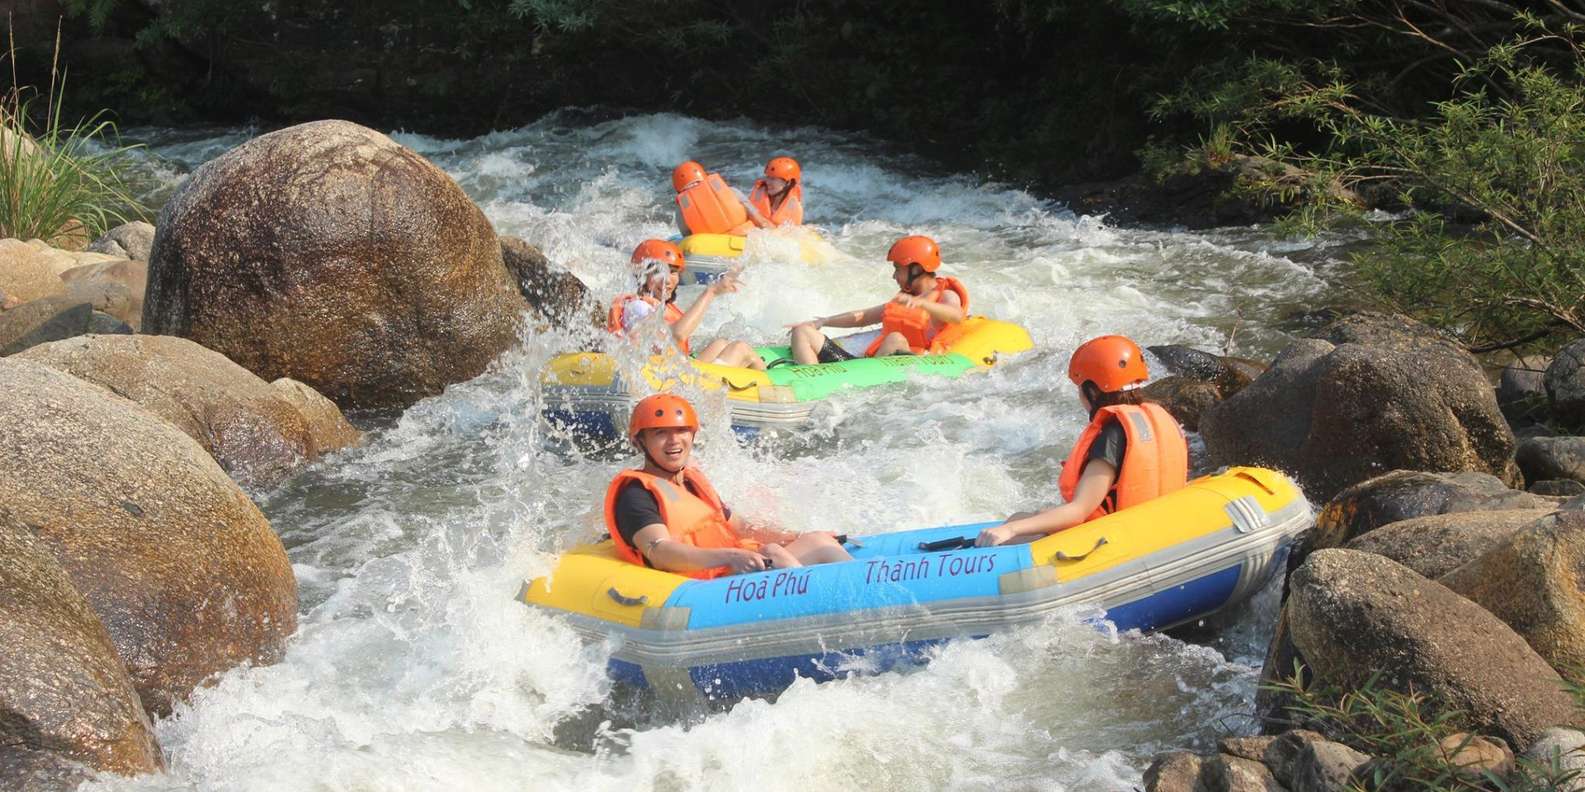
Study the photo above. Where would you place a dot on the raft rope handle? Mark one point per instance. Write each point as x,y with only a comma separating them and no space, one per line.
628,601
1061,556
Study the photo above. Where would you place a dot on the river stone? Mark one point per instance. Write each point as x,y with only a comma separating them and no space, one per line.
1353,615
1284,750
180,566
41,771
327,427
1175,771
556,295
1521,390
1565,383
1235,774
328,253
1545,458
121,281
24,275
1229,374
1437,544
1532,581
1186,399
42,321
1566,747
105,324
1472,755
256,432
1325,766
132,240
1246,747
63,688
1369,399
1557,488
1404,494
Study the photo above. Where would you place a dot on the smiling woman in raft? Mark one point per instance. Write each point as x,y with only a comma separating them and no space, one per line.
658,266
665,514
1132,451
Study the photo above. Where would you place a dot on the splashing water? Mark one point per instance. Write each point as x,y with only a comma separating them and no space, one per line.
415,669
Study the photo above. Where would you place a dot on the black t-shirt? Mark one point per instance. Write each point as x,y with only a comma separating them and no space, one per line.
636,508
1110,445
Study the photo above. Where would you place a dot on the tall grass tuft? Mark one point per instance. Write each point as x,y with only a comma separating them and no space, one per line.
55,176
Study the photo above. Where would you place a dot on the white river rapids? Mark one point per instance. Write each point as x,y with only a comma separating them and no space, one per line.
414,668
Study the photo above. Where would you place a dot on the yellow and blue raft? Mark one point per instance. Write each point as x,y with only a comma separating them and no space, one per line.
1162,563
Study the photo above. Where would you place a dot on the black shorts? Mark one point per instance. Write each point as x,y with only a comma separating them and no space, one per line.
832,352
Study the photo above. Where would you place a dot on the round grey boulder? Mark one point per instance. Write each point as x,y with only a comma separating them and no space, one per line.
1376,394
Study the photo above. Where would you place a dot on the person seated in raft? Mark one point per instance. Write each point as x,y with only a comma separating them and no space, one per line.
665,514
1131,452
914,321
706,205
659,265
779,196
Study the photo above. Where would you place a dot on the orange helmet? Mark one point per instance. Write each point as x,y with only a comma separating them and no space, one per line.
660,411
785,168
659,250
921,250
1112,362
686,174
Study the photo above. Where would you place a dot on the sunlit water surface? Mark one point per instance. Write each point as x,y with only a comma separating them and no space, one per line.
413,667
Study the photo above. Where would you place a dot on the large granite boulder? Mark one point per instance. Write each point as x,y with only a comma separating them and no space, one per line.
177,562
1437,544
1532,581
63,689
1374,394
1404,494
256,432
328,253
1565,383
1353,615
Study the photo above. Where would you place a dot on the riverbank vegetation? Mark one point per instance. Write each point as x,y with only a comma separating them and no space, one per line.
1461,120
58,177
1419,745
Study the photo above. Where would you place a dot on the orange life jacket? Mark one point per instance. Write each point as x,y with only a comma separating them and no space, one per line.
710,207
791,211
699,520
613,318
1155,462
915,323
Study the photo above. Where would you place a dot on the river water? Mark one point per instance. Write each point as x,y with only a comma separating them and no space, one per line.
413,667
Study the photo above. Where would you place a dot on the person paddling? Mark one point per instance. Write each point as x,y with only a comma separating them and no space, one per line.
665,514
914,321
778,197
659,265
1132,450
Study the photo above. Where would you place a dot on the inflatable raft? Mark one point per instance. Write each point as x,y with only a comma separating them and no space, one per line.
710,255
587,392
1163,563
